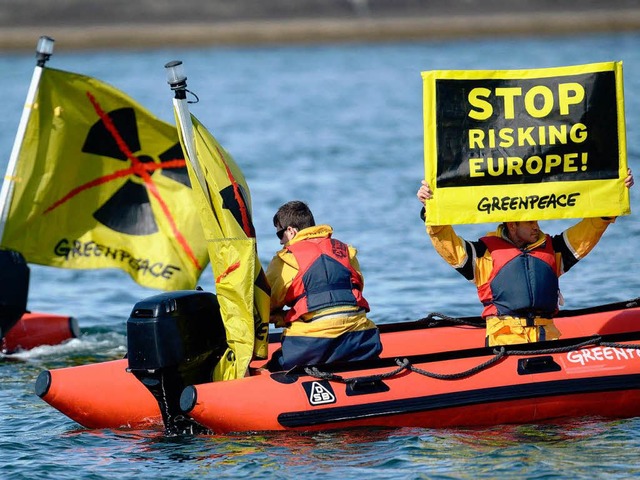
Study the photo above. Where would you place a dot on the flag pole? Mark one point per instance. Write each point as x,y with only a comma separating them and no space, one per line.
177,80
44,50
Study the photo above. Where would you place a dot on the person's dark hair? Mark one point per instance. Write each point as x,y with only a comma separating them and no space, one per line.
294,214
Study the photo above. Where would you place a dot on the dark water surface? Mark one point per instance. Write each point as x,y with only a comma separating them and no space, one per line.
341,128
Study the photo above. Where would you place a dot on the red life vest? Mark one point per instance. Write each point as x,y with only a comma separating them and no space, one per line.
522,282
325,278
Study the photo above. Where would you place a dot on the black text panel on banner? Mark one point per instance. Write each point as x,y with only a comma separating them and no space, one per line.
515,145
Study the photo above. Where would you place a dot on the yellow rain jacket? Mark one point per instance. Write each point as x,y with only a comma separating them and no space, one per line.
473,260
332,334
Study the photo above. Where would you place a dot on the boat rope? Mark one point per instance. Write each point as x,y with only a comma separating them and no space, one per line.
591,341
596,340
499,353
435,317
316,373
619,345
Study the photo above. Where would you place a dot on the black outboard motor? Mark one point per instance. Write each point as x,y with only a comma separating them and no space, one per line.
175,340
14,289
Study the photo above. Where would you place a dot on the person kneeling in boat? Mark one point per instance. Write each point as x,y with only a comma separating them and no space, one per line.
319,279
516,270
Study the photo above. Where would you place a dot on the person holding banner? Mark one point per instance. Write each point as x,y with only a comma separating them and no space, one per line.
319,279
516,270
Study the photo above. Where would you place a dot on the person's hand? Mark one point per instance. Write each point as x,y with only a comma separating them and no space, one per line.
424,192
277,318
628,182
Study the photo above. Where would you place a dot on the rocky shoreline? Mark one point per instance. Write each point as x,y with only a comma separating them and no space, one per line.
155,27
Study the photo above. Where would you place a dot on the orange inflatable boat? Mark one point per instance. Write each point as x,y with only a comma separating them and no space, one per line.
19,328
35,329
434,372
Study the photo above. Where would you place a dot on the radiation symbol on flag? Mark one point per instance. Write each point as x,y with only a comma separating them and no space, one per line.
128,210
236,205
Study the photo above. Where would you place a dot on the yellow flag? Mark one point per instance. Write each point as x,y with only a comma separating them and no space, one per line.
538,144
101,183
224,202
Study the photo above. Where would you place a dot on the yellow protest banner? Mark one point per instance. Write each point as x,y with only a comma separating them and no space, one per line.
510,145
